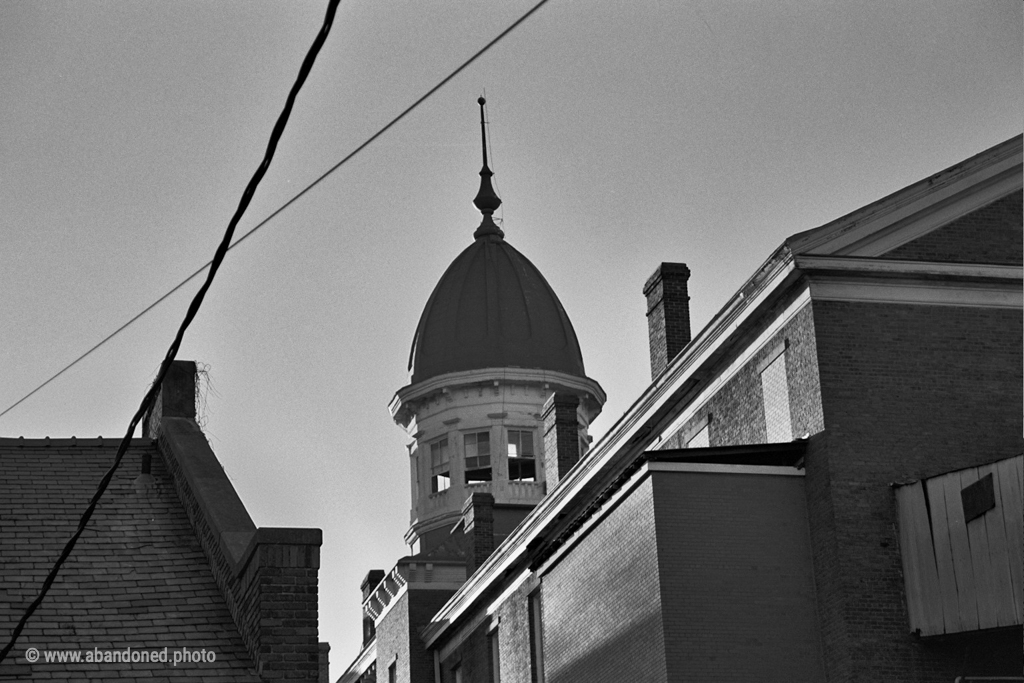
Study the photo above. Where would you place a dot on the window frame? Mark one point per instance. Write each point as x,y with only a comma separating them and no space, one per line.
443,468
517,463
478,458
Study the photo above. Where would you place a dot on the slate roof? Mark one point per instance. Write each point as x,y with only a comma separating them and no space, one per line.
137,579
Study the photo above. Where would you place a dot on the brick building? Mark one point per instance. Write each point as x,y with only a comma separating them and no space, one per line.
171,567
823,484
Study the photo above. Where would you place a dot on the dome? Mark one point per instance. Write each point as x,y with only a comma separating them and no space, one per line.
493,309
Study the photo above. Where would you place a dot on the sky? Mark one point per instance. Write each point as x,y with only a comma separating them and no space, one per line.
622,135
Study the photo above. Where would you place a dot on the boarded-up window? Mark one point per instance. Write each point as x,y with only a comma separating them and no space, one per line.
700,439
775,393
963,572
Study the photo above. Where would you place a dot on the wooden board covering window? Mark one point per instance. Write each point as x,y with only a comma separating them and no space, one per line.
963,576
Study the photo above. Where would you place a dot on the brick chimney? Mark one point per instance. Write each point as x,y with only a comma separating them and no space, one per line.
668,314
478,525
368,586
561,436
176,398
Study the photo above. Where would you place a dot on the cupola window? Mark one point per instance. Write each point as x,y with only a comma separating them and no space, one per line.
440,470
521,456
478,457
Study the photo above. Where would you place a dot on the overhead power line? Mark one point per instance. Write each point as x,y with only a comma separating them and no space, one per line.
218,258
288,203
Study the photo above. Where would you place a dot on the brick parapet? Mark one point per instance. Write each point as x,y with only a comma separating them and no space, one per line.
268,576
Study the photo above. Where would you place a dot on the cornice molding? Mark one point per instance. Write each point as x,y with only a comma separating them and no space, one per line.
588,389
921,207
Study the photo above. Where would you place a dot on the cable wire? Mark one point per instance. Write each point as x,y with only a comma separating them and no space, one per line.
218,258
291,201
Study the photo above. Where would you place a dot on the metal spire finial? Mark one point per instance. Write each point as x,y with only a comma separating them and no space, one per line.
486,200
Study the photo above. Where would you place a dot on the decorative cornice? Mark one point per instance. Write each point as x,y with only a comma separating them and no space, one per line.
901,268
589,390
844,278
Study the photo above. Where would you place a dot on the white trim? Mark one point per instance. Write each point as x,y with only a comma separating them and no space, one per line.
367,656
719,468
897,267
926,293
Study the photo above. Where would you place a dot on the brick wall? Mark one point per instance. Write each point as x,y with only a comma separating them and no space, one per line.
398,635
908,392
393,640
992,234
736,578
737,409
514,636
602,601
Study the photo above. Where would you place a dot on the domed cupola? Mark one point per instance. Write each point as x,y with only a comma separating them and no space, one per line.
492,345
493,309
